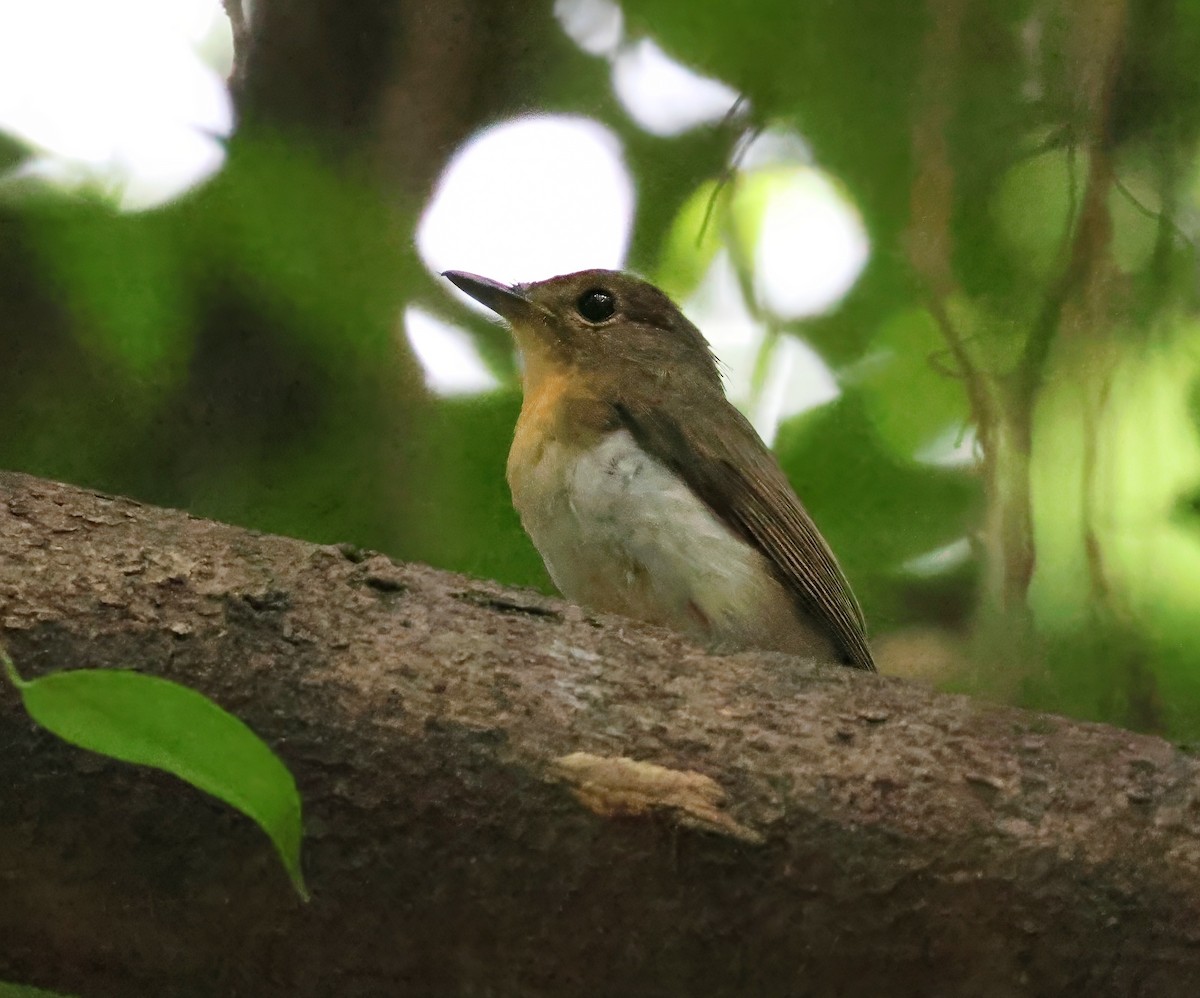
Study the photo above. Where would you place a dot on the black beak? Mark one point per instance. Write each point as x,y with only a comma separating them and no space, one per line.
500,298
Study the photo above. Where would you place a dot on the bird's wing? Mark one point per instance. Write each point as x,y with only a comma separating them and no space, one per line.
742,483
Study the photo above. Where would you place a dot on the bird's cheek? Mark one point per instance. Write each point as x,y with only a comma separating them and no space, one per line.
532,338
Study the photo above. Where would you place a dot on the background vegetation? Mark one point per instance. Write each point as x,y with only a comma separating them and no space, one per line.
1026,174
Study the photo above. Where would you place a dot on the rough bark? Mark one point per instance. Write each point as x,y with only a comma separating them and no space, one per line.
778,827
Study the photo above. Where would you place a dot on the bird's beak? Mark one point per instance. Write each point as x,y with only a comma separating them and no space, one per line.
505,301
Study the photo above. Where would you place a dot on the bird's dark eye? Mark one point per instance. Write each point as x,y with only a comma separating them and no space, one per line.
596,305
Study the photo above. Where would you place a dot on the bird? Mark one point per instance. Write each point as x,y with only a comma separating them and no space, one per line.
646,492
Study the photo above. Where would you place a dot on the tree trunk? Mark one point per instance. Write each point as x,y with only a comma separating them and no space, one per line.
506,796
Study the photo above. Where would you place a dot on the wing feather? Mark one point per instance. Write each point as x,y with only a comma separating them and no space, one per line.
742,483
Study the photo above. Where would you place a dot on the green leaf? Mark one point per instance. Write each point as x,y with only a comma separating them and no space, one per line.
8,990
691,243
470,523
911,401
1135,207
311,243
804,63
122,278
876,510
1035,205
13,152
153,722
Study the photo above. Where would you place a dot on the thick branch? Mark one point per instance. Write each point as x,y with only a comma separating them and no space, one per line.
777,827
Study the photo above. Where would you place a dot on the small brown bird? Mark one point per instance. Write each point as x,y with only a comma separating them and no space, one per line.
645,490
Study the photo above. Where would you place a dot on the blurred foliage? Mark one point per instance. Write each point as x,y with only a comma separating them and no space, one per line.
838,461
1026,171
234,353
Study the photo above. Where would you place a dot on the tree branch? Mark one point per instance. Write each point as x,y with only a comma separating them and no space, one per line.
929,240
506,796
240,29
1101,39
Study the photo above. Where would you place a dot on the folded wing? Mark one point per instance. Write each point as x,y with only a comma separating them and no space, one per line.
742,483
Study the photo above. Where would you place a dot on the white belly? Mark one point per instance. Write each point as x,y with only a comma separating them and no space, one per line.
621,532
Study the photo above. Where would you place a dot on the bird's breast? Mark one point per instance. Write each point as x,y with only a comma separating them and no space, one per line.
621,532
